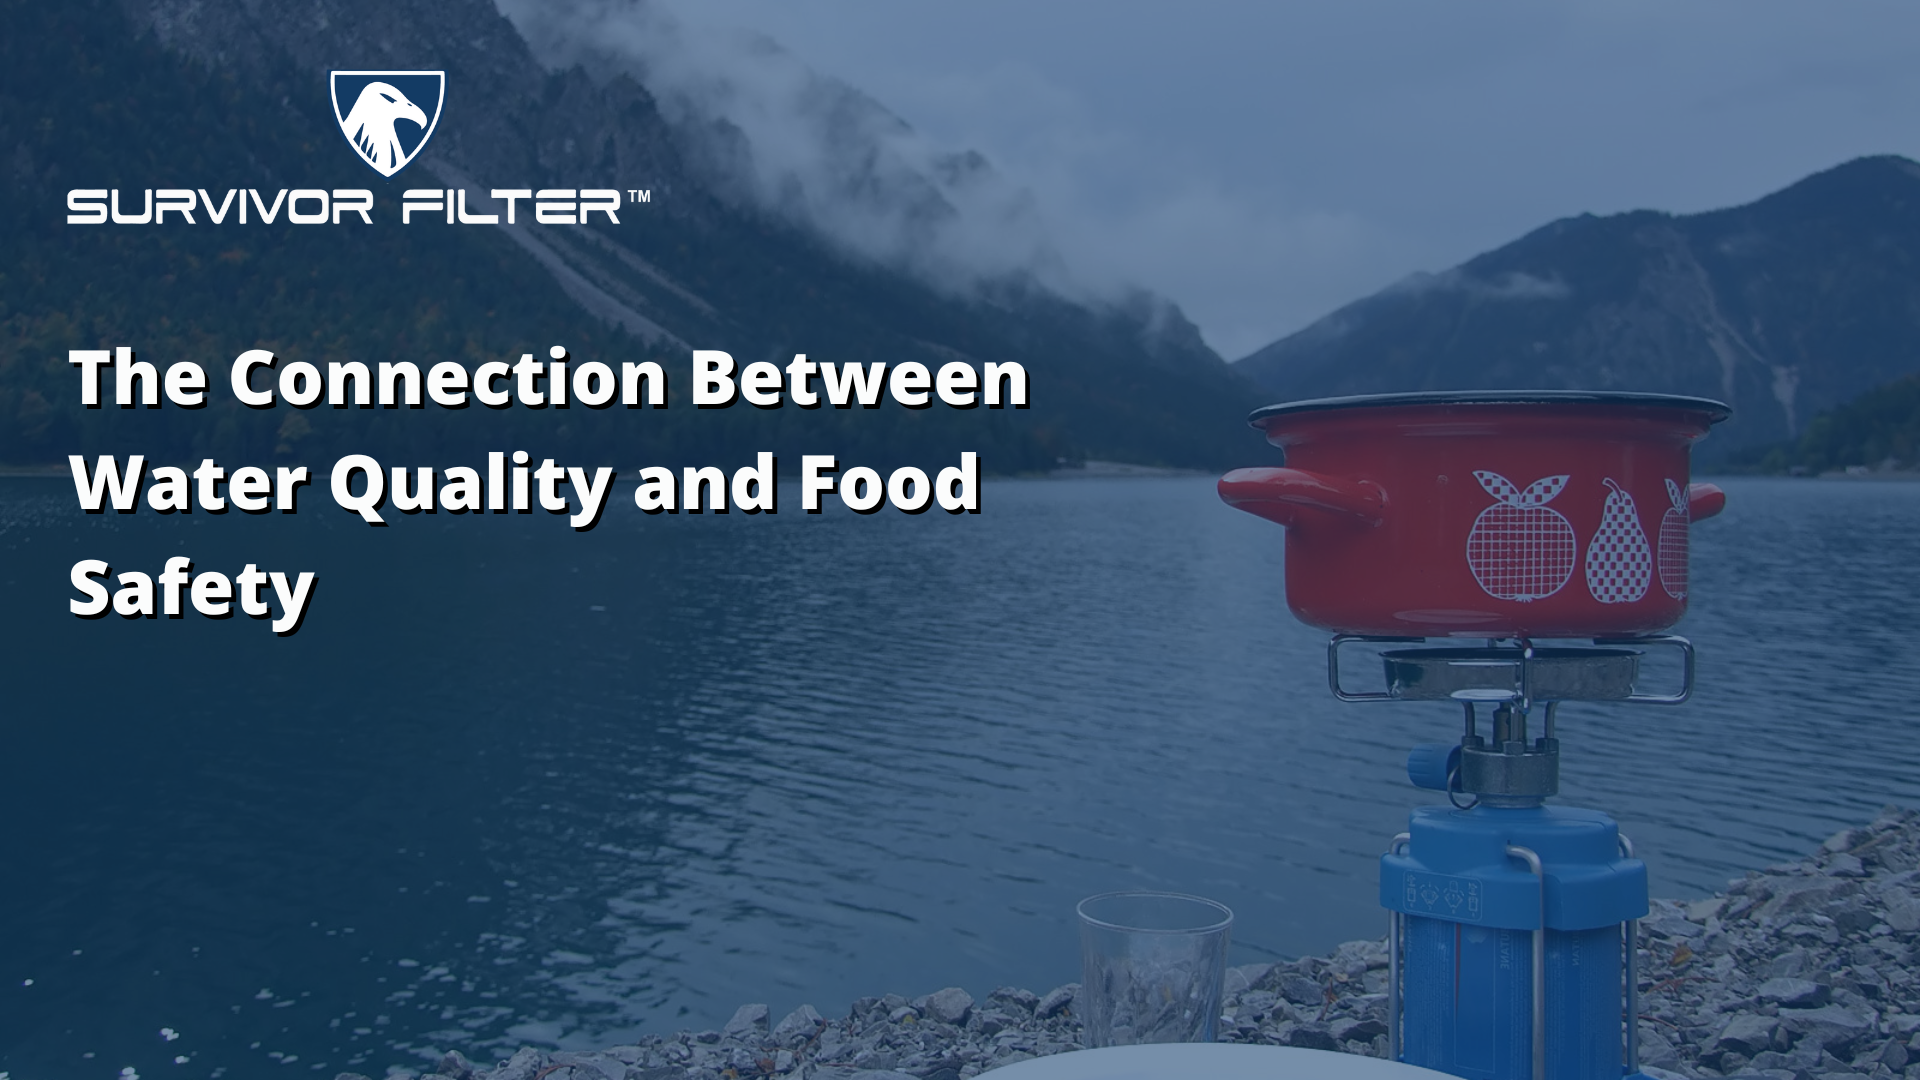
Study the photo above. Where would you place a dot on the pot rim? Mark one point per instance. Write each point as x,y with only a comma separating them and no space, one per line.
1716,411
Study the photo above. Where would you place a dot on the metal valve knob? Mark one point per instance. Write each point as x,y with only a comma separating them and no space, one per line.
1431,765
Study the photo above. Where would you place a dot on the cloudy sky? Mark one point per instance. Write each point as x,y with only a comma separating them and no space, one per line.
1262,163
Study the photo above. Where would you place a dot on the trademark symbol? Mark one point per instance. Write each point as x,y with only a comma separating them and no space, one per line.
639,195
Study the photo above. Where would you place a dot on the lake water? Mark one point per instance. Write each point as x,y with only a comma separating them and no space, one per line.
510,783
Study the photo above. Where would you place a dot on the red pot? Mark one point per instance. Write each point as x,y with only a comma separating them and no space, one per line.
1484,514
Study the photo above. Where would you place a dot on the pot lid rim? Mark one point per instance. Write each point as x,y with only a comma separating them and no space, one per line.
1716,411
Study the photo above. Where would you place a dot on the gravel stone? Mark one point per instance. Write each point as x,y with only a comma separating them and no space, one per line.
521,1066
1361,1029
798,1025
1746,1033
950,1006
1903,913
1830,1027
747,1019
1656,1051
1790,964
1311,1036
1301,990
1846,865
1245,977
1793,993
1027,1000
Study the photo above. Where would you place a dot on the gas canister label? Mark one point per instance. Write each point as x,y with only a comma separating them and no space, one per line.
1450,897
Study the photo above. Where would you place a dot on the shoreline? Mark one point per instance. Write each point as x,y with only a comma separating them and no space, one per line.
1800,971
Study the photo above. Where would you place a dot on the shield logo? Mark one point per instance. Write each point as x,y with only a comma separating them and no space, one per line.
388,116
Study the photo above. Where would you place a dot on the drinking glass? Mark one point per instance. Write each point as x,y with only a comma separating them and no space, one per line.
1153,966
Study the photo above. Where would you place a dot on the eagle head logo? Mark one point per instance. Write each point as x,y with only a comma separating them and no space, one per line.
381,116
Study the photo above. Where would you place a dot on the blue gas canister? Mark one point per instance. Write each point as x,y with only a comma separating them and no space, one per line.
1475,892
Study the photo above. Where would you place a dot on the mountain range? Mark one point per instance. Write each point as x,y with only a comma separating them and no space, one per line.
865,245
1783,308
234,94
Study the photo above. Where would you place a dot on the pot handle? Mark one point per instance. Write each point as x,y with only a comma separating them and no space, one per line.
1704,501
1289,496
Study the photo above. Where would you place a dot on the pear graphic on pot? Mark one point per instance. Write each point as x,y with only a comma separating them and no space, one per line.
1673,543
1619,560
1520,549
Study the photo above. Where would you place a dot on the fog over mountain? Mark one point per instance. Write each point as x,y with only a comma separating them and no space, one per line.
788,214
1263,164
1784,308
765,129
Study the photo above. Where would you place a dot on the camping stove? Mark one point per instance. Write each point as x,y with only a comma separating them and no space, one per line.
1512,924
1507,518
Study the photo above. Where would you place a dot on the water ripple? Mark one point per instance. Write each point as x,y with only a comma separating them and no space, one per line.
588,786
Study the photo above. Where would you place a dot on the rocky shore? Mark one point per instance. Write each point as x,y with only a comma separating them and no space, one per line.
1796,972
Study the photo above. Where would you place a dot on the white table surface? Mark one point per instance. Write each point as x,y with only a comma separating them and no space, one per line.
1214,1061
